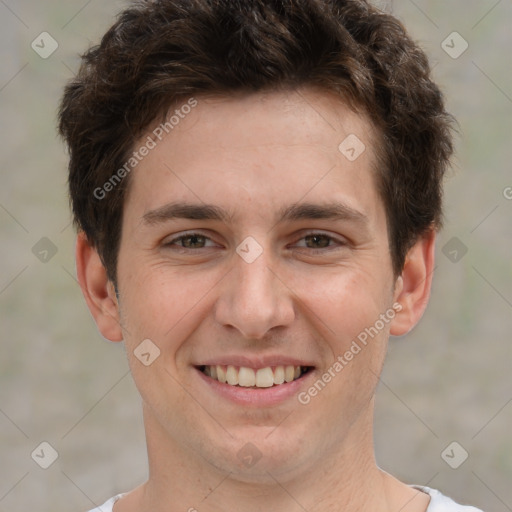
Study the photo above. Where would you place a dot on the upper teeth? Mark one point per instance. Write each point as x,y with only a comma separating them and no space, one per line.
247,377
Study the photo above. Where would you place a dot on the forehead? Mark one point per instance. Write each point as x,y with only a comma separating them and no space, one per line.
272,149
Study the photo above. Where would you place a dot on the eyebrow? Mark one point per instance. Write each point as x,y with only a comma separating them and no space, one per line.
293,212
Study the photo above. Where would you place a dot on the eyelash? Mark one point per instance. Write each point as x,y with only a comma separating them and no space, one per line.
341,243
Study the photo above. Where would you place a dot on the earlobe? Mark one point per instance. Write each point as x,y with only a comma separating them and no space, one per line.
412,290
98,290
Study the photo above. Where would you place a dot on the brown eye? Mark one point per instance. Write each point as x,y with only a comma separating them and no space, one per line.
319,241
188,241
192,241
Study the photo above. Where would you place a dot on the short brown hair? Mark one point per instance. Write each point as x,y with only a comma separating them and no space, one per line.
160,51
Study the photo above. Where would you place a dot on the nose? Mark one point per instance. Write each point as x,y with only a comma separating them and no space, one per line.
254,298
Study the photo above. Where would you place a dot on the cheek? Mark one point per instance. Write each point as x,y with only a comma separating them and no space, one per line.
344,302
347,310
165,306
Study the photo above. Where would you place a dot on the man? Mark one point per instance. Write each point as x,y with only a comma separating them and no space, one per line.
257,189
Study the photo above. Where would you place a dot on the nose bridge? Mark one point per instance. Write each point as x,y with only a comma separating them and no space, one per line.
254,300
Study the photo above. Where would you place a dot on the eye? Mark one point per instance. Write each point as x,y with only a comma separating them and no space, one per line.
320,242
314,242
188,241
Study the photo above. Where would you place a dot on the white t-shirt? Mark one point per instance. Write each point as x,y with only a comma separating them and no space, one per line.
438,502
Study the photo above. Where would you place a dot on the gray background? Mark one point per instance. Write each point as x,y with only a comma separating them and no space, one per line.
60,382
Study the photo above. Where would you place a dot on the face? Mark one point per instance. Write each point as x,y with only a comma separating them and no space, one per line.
251,239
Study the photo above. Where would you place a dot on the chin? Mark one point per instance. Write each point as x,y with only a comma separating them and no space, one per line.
259,455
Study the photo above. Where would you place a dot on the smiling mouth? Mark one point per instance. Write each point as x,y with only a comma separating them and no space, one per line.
241,376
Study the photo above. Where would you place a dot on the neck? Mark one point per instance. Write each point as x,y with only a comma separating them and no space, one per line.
348,479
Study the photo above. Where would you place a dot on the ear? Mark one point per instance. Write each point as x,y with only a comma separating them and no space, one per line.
412,289
98,290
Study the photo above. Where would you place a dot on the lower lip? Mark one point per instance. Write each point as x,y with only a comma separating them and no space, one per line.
257,397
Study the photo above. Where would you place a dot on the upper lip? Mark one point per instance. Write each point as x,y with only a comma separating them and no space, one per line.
255,361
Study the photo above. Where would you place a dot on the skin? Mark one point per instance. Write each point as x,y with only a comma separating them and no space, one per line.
253,155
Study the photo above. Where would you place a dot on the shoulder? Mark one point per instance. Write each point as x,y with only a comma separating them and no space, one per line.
441,503
438,502
108,505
